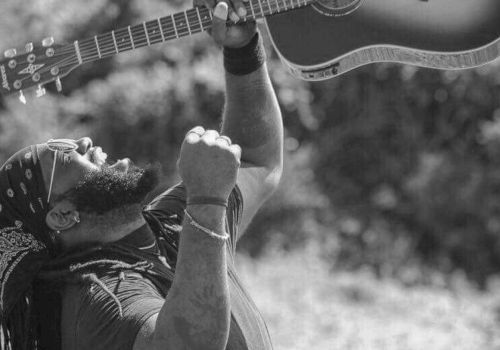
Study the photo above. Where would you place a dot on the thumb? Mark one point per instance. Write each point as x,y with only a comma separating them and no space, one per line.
219,22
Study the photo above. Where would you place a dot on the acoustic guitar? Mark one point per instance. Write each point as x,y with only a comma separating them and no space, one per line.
315,39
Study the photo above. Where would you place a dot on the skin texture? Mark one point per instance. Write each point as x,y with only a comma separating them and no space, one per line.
63,216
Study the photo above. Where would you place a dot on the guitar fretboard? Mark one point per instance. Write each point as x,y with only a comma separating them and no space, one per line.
171,27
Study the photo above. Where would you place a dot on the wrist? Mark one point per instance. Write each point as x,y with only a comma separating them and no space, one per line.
246,59
210,216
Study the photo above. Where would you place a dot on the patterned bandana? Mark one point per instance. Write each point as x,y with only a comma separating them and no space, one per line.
25,239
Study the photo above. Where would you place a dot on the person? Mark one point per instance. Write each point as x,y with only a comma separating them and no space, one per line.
84,265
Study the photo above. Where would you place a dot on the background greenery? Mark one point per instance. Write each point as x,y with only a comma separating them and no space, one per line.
392,175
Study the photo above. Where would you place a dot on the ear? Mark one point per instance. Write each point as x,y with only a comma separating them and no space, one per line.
62,216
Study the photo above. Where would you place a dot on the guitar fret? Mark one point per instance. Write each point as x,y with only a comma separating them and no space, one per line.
131,38
277,6
123,40
181,25
114,40
154,32
194,21
77,50
261,10
161,30
187,22
199,19
253,12
97,45
175,27
269,6
286,8
106,45
205,18
146,32
168,27
139,36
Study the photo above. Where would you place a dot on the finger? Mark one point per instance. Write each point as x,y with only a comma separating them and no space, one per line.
219,22
210,136
233,16
236,150
239,8
195,134
223,141
200,130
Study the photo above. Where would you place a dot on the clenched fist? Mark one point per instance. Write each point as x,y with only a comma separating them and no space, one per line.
208,163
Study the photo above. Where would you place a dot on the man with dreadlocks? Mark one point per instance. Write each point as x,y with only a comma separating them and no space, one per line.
83,265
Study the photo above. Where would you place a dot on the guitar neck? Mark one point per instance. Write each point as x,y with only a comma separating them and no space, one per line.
181,24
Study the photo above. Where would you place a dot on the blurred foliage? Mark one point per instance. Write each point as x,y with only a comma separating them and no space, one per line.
389,166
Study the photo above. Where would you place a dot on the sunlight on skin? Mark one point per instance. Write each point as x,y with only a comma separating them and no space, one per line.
70,170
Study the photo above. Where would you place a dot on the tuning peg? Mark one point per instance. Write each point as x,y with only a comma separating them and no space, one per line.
29,47
40,91
58,84
22,98
10,53
47,42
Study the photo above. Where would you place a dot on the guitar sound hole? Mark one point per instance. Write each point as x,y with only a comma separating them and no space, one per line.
335,8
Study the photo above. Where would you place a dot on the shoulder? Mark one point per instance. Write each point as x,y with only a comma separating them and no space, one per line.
107,311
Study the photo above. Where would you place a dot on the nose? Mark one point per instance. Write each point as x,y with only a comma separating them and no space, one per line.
84,144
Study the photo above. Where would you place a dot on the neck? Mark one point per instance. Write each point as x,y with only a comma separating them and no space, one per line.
106,228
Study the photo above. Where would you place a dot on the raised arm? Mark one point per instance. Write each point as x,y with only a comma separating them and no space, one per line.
196,313
252,117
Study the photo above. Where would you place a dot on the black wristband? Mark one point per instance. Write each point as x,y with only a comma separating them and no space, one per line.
246,59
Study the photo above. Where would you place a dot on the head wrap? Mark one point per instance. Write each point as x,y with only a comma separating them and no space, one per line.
25,238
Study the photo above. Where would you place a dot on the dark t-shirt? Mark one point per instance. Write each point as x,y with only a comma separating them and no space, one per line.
91,315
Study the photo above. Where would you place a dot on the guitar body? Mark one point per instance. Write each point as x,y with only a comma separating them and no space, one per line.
446,34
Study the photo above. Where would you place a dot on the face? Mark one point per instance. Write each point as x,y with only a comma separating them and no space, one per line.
84,177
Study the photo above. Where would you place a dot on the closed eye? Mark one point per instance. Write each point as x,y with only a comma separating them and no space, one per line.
65,158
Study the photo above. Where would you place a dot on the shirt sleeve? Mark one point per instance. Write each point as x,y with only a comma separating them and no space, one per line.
108,316
173,202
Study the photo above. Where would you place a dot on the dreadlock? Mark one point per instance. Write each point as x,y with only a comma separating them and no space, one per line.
34,323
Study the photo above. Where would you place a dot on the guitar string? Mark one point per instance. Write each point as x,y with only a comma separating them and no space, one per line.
139,34
142,33
182,26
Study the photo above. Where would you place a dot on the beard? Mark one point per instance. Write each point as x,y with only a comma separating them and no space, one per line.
106,190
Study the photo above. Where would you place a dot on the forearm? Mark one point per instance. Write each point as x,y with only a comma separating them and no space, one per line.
196,313
252,118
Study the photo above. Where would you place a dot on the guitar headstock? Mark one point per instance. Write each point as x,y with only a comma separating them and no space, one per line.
36,66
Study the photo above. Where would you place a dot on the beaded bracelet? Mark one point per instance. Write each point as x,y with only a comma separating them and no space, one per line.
220,237
246,59
198,200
